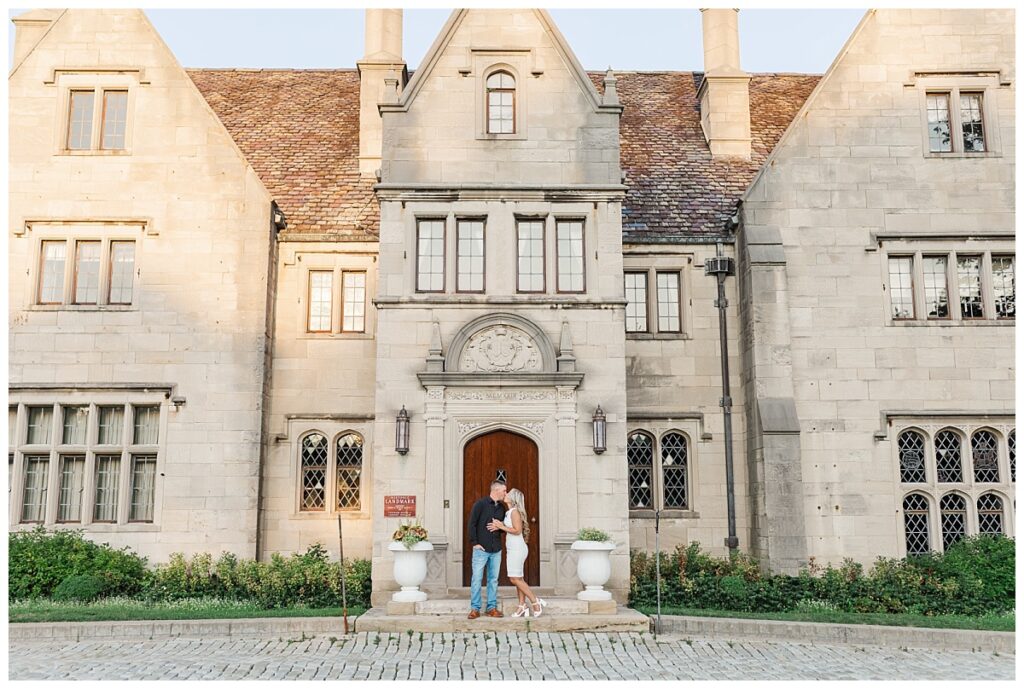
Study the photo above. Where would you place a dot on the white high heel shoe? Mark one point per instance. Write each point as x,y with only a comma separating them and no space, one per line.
541,603
521,611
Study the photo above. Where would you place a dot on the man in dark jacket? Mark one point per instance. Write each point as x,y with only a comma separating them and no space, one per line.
486,549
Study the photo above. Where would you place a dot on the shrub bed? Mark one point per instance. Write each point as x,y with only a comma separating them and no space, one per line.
64,565
974,577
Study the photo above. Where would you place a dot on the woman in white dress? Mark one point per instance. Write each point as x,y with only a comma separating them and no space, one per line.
517,526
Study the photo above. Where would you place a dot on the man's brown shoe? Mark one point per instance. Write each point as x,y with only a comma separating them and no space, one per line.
494,612
473,614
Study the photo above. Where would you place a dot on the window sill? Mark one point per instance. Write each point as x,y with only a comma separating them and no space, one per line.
82,307
961,154
485,136
333,516
95,152
665,514
335,336
104,527
658,336
979,323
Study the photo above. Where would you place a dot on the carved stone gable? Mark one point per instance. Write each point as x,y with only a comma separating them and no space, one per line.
501,349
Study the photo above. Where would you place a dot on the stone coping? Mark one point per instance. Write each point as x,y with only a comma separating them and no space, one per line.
827,633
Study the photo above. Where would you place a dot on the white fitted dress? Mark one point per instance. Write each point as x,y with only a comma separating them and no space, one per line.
516,550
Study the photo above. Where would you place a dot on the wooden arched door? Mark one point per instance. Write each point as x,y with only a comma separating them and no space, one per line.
512,458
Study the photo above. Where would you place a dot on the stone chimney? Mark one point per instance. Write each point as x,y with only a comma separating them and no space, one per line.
29,27
724,93
382,62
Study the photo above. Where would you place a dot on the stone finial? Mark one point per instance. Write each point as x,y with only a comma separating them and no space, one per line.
435,360
611,95
566,360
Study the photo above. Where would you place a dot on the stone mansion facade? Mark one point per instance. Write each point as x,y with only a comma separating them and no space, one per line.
245,302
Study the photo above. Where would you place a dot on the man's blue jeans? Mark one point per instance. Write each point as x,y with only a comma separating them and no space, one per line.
481,559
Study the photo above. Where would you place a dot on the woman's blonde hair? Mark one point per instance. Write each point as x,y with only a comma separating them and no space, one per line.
518,502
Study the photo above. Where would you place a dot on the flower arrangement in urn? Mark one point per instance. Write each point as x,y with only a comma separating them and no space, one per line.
409,534
593,549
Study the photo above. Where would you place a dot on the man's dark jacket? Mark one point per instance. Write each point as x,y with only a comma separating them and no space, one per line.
484,510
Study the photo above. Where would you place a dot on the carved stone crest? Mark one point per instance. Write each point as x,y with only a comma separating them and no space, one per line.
501,349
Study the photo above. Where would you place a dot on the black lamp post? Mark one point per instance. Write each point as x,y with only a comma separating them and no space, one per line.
402,432
600,431
720,267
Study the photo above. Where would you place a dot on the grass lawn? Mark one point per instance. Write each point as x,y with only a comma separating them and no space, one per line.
131,609
995,623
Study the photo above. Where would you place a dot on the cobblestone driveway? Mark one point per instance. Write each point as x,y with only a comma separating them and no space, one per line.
488,656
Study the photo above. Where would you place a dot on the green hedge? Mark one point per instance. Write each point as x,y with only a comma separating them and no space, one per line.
40,561
974,577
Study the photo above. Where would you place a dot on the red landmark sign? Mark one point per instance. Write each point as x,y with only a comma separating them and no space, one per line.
399,505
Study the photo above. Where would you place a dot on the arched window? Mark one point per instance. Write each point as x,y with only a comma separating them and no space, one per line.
990,514
915,524
314,473
640,456
501,103
953,511
948,467
911,449
1011,452
674,459
985,457
350,468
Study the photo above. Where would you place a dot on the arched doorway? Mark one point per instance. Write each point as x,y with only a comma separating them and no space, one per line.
512,458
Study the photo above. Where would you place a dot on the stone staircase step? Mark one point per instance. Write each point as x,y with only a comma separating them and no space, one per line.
503,592
453,606
624,620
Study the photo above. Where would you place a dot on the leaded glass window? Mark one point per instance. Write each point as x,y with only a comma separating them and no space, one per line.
75,422
430,256
972,122
968,270
111,425
939,139
147,425
668,303
948,465
570,255
636,302
321,288
531,255
350,467
990,514
80,120
87,272
640,457
501,103
985,457
353,301
674,456
469,254
122,269
911,452
143,484
915,524
51,274
107,472
936,292
1004,286
40,424
115,117
34,501
1011,451
315,450
901,286
953,510
72,483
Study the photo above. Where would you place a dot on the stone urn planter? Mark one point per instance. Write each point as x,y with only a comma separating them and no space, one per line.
594,568
410,570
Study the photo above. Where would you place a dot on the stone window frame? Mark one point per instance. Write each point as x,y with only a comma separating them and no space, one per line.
333,431
986,83
99,82
657,431
917,249
652,264
72,235
485,64
337,263
968,488
56,450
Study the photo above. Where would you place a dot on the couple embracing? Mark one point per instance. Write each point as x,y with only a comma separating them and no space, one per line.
498,512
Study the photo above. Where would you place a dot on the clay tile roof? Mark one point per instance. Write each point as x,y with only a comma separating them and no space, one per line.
675,188
300,131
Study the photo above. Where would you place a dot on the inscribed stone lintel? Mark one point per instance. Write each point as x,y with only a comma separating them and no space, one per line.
778,416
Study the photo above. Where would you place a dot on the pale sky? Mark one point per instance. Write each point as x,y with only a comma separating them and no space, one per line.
801,40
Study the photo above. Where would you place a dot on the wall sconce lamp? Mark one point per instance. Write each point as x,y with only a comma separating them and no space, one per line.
600,431
402,432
